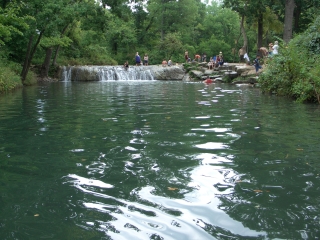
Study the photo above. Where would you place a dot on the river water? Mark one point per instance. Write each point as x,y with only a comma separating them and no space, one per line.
157,160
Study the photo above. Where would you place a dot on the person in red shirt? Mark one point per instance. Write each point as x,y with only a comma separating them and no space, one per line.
208,80
197,57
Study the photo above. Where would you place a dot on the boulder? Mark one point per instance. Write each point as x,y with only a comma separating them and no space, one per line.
175,72
231,75
196,74
208,72
243,69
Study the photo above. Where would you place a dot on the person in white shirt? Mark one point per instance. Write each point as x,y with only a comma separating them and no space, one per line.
247,59
275,48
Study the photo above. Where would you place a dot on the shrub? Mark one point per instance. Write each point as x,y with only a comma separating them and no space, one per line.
9,75
31,79
295,72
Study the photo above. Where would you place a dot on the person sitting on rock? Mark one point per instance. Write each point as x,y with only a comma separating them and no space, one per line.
169,63
221,61
204,57
197,57
126,65
216,64
211,63
164,63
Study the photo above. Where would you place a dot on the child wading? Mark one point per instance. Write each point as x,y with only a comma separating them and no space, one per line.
257,64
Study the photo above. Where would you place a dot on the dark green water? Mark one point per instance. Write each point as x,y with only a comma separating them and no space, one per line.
157,160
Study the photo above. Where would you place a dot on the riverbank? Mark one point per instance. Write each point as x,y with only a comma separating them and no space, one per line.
180,72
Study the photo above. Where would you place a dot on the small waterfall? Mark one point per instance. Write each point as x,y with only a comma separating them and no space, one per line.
66,74
105,73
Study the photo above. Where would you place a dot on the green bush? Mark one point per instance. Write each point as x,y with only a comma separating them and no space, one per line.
9,75
31,79
295,72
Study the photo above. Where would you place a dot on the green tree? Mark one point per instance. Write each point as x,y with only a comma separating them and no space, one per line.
173,16
11,21
220,31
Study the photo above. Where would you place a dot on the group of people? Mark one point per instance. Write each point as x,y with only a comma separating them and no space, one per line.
197,57
138,61
272,50
165,63
146,61
216,61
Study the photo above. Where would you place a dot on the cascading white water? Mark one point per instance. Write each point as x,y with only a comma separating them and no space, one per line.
66,74
105,73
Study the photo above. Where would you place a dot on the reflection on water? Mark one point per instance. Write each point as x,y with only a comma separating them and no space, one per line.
157,160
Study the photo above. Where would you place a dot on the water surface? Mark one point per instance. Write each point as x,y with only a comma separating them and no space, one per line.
157,160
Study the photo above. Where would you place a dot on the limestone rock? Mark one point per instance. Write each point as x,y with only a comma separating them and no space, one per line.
174,72
196,73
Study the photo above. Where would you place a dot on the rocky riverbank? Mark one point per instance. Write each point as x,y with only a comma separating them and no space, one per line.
231,72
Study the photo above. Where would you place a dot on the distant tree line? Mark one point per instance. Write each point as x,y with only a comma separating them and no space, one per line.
40,35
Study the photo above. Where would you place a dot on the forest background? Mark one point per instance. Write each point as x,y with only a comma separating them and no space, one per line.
37,36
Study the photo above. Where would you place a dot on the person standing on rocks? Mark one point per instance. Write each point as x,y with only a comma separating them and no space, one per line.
186,55
263,51
270,49
275,48
257,64
138,59
146,60
241,53
246,58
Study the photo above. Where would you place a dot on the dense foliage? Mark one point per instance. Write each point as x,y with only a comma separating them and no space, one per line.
296,71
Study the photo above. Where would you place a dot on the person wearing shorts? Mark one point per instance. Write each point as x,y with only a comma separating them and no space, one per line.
145,60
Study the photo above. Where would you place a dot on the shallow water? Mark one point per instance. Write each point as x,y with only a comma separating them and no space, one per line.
157,160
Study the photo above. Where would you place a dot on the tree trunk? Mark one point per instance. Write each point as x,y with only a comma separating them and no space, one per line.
297,15
54,61
260,31
288,20
26,61
244,34
29,55
46,64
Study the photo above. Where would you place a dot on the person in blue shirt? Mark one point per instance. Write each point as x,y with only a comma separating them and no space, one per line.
257,64
138,59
